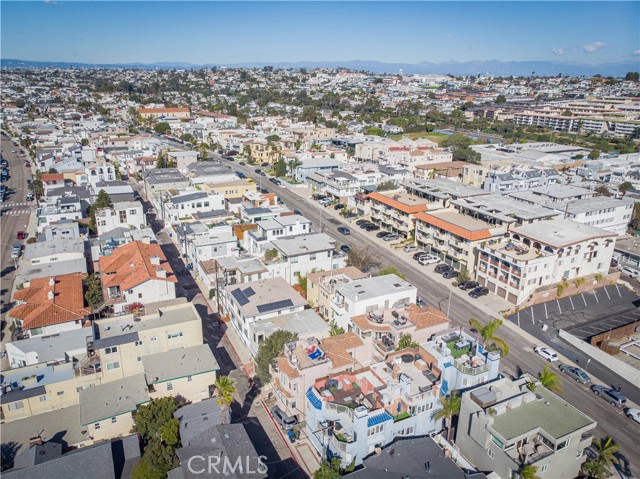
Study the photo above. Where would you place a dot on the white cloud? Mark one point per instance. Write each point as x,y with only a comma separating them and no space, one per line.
637,52
593,47
559,51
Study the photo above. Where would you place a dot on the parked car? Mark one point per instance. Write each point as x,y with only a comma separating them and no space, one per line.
452,273
614,263
364,225
481,291
409,248
284,421
610,395
441,268
21,235
359,222
630,271
467,285
633,414
350,215
262,173
30,197
576,373
372,227
391,237
264,164
426,259
547,353
27,164
345,248
382,234
240,175
344,230
257,170
273,180
242,163
338,206
417,255
16,249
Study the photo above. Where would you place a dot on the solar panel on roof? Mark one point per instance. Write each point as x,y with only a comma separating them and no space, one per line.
276,305
240,297
249,292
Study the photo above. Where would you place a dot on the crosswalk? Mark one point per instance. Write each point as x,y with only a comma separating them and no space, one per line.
15,212
12,204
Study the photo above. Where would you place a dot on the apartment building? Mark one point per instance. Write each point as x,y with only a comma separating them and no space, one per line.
610,214
248,303
385,327
396,211
438,192
306,360
155,113
232,189
453,237
321,287
540,255
136,272
126,214
297,256
521,179
217,242
350,414
185,204
270,229
505,425
99,171
369,294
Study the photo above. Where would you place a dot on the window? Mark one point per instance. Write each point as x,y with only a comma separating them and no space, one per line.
60,393
115,365
154,339
174,335
189,379
497,442
96,425
491,454
15,406
544,468
43,398
132,212
169,386
111,350
139,295
138,343
293,405
114,420
123,216
562,445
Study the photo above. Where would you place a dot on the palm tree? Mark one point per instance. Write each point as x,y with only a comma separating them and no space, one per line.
599,466
529,472
224,389
549,380
489,340
293,164
450,408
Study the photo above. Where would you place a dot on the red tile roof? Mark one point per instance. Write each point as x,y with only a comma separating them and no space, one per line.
396,204
41,308
52,177
471,235
130,265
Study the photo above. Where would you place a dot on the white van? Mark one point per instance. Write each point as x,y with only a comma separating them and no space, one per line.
629,271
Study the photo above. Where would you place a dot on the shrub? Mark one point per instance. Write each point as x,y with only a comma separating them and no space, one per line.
212,293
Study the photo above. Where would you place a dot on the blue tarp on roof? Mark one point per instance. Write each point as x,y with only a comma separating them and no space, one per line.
313,399
379,418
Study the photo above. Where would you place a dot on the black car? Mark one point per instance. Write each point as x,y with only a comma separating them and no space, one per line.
359,222
350,215
240,175
264,164
242,163
481,291
262,173
230,158
418,254
382,234
365,224
467,285
449,274
345,248
441,268
258,170
372,227
339,206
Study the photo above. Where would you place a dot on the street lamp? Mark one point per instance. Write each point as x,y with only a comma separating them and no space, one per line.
587,365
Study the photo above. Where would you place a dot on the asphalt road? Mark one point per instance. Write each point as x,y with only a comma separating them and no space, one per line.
611,421
15,217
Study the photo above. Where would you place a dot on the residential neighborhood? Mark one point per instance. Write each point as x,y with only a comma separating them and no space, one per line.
318,272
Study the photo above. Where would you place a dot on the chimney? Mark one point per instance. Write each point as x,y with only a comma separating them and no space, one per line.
161,273
395,373
155,259
50,295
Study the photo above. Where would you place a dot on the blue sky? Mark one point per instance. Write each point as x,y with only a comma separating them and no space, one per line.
230,32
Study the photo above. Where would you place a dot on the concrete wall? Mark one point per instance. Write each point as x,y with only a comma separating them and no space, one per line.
623,369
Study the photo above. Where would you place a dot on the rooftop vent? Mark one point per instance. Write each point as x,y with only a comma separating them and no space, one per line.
155,259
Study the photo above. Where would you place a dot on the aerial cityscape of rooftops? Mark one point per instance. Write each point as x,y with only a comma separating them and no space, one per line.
318,269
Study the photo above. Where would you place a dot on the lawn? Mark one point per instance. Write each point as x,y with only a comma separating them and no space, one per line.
456,353
435,137
401,416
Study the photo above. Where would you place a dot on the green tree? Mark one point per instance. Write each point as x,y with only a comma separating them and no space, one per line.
549,380
84,142
386,185
224,390
93,295
624,187
328,470
187,137
450,408
529,472
632,76
463,275
293,164
500,99
161,161
594,154
269,350
103,200
162,128
361,258
302,282
599,466
602,190
273,138
406,341
270,254
487,331
334,329
373,130
280,168
392,270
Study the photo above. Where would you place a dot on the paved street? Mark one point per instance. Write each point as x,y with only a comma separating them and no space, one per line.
434,291
14,217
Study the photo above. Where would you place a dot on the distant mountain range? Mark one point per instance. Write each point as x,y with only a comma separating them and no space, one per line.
489,67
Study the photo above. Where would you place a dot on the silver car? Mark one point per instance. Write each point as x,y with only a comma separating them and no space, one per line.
576,373
284,421
16,250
